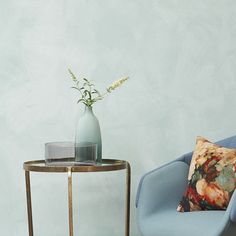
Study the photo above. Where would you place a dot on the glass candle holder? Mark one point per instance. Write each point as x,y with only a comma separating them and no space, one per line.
59,153
86,152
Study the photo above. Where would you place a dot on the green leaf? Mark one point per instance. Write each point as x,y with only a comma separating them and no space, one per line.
96,91
75,88
72,75
80,100
85,92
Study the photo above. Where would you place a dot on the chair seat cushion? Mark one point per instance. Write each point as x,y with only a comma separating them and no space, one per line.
169,222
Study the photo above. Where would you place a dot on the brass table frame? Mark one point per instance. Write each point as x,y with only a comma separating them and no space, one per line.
107,165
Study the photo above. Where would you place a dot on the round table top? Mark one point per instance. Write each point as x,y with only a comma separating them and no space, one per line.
70,164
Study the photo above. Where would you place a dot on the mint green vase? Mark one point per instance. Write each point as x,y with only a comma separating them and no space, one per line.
88,131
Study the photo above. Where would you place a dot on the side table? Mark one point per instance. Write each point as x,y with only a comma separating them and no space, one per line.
69,168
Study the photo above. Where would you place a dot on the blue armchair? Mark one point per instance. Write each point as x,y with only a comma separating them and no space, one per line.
158,196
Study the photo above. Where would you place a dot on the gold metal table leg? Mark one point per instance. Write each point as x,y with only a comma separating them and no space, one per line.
127,210
29,205
70,205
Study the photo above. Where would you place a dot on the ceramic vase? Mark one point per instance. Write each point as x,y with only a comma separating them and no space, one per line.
88,131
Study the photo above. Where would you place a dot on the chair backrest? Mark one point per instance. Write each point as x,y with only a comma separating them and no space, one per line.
227,142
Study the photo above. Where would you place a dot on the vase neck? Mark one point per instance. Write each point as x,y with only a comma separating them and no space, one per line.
88,109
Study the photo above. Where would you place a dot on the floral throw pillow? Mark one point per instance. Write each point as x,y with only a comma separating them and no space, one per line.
211,178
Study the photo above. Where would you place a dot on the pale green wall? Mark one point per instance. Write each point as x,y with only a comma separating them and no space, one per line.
181,59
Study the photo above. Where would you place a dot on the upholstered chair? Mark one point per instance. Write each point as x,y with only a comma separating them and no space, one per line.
158,196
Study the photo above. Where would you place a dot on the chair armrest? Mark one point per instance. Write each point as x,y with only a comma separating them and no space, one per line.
232,207
162,187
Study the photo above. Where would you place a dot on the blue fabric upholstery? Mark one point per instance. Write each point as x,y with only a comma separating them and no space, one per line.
233,207
159,193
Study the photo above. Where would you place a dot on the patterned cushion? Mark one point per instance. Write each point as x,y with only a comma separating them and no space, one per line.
211,178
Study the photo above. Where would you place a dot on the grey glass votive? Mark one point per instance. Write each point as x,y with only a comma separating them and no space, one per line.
59,153
86,152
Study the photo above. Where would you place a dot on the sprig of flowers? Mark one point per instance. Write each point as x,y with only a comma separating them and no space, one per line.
116,84
90,95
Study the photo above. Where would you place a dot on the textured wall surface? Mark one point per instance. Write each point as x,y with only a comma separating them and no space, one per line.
181,59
